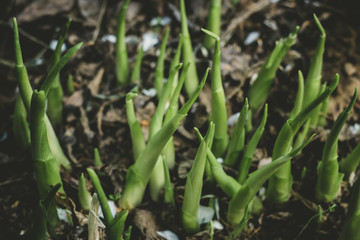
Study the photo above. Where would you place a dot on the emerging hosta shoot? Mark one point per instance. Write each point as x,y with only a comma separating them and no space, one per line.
259,90
83,194
46,168
159,71
350,229
193,187
139,173
329,177
191,81
122,64
280,183
135,74
218,101
114,226
20,125
26,92
213,23
349,164
54,101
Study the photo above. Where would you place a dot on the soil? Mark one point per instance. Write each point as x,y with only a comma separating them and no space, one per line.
94,115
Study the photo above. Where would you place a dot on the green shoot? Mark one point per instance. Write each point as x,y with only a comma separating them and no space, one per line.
237,141
218,101
139,173
349,164
135,74
313,79
280,183
299,96
122,64
97,158
70,84
329,177
191,81
137,136
54,110
259,90
159,71
194,182
213,23
250,149
83,194
175,61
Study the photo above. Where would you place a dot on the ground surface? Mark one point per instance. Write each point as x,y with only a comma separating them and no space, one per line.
94,115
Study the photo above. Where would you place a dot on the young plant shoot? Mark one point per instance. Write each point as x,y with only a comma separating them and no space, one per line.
83,194
137,136
349,164
237,141
159,71
139,173
157,179
20,125
114,226
55,96
169,149
191,80
168,189
329,177
213,23
122,64
175,61
218,101
135,74
279,188
259,90
249,151
47,172
193,187
26,92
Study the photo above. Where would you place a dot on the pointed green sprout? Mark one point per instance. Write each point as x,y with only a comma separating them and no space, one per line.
313,79
139,173
191,80
38,230
249,151
54,101
237,141
159,71
114,226
169,149
299,96
135,74
218,101
70,84
175,61
260,89
83,194
20,125
122,64
193,187
279,188
168,189
97,158
26,92
248,190
157,179
329,177
350,229
137,136
349,164
213,23
47,172
209,138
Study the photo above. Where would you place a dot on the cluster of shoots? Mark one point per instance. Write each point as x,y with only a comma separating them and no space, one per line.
154,157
